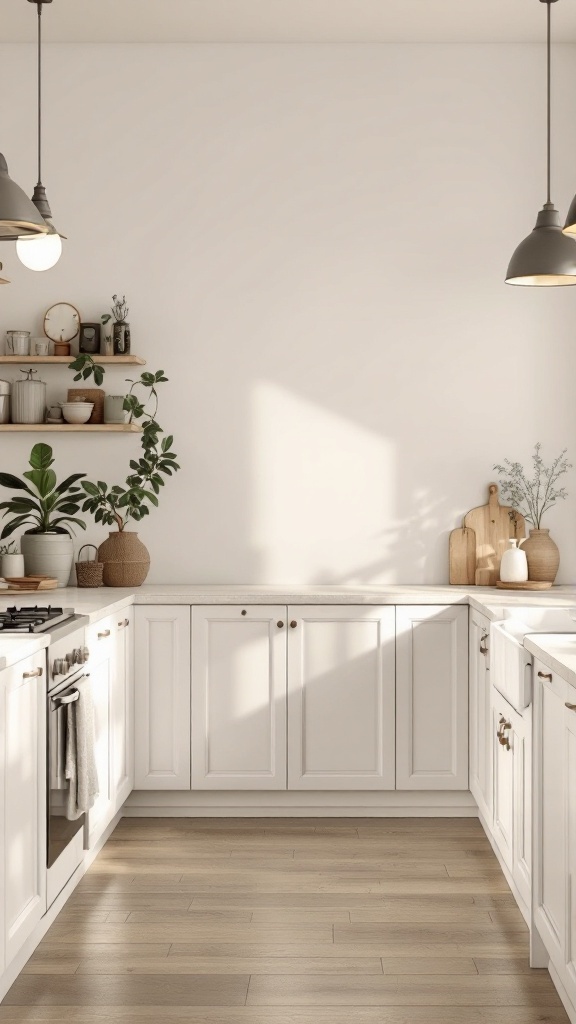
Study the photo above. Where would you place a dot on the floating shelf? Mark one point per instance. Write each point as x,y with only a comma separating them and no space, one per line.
66,360
86,428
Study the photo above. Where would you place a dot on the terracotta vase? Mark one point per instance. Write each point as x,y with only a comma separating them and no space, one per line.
543,556
126,559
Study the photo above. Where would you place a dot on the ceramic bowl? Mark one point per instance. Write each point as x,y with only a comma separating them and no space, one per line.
77,412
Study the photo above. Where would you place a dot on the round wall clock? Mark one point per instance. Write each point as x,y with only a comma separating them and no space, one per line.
62,322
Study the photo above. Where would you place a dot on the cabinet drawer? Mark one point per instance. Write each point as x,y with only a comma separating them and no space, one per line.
100,638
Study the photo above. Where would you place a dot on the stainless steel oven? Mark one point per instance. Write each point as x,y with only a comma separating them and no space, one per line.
67,665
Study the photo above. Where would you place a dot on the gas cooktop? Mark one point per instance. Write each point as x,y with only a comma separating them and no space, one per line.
33,619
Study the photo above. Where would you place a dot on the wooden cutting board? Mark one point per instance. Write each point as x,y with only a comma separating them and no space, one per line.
28,585
463,557
493,527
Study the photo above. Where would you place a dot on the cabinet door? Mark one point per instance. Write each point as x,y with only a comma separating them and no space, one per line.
162,711
122,712
239,697
549,811
23,831
522,847
570,734
101,685
503,766
480,715
341,697
431,697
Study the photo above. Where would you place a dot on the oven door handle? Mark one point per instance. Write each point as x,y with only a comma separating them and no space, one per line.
70,698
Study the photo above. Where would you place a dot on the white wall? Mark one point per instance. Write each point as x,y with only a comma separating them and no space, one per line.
313,241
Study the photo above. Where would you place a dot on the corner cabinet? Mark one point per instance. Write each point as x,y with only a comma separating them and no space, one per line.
239,697
22,803
341,715
432,697
162,710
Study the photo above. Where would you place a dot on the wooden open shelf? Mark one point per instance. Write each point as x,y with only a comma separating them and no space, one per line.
86,428
59,360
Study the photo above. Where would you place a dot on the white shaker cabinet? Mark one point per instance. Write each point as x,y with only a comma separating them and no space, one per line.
22,802
162,707
570,736
123,709
549,899
100,640
239,697
341,697
431,697
480,714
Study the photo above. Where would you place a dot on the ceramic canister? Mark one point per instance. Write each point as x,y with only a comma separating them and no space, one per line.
5,388
28,399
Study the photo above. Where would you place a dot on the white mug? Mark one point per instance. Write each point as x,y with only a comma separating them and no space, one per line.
18,343
41,346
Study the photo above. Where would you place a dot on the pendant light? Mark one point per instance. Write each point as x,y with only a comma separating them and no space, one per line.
44,252
18,215
547,257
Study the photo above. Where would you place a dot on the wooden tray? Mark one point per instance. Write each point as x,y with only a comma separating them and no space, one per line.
528,585
28,584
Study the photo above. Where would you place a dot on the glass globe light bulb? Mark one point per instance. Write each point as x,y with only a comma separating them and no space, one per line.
40,253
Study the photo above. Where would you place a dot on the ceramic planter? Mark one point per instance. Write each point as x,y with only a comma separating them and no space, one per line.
12,566
121,338
48,554
543,556
126,559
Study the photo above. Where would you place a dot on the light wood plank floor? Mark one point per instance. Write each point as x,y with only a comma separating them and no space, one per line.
288,921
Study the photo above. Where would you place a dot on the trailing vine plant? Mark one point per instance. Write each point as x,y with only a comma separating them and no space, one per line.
116,504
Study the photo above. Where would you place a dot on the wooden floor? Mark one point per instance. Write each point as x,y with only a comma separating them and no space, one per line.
339,921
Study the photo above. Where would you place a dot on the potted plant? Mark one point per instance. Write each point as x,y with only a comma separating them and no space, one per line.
50,508
11,561
533,497
126,559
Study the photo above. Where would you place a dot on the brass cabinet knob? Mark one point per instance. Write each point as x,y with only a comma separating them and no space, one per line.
31,675
571,707
280,624
545,675
243,612
293,624
101,636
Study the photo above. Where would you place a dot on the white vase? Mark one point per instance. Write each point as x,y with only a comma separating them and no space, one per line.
12,565
514,564
48,554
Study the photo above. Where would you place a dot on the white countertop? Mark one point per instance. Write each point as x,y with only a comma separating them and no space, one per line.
97,602
100,601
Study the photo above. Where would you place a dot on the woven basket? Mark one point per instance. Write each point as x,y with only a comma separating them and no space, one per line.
95,395
89,574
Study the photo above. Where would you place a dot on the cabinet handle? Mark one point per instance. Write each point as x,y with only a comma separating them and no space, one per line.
31,675
106,633
545,675
125,623
483,649
571,707
243,612
280,624
293,624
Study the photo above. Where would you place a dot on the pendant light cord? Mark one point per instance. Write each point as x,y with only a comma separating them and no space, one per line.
549,102
40,90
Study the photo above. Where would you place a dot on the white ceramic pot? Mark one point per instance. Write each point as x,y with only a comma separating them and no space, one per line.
514,564
12,565
48,554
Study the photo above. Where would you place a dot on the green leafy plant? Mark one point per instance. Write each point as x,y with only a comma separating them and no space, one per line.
116,504
535,495
9,549
86,367
47,506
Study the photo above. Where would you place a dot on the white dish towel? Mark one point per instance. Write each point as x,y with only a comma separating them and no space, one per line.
80,753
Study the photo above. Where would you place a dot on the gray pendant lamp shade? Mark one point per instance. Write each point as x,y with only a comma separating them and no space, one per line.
547,257
18,214
570,225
